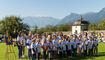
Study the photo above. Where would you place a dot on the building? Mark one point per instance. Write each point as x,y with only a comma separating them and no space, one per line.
80,26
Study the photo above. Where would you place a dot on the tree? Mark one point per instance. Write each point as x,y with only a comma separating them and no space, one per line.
50,28
35,29
101,25
64,27
13,25
93,26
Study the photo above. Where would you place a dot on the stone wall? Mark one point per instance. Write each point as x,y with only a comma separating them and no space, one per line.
69,32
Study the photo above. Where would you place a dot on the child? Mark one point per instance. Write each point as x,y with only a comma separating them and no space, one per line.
60,47
95,45
33,49
29,41
69,48
84,46
90,46
19,46
55,43
23,44
38,49
50,48
44,48
23,47
74,46
79,44
64,46
9,40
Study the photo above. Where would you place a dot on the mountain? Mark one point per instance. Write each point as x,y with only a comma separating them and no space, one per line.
69,19
40,21
92,17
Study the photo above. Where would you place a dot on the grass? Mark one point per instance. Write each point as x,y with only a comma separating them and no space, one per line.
101,56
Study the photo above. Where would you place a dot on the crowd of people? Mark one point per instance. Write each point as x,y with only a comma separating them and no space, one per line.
55,45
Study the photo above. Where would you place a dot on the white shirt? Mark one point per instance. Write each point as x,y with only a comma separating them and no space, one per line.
74,44
55,43
33,45
38,47
90,44
29,41
21,40
50,44
64,45
69,45
60,46
18,38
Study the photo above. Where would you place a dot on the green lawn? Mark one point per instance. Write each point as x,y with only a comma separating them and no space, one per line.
101,56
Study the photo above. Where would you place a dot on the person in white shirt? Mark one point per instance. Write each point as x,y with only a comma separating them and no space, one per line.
50,49
33,49
69,50
44,48
38,49
23,44
90,46
64,46
60,48
74,50
79,44
28,43
84,46
19,45
95,46
55,46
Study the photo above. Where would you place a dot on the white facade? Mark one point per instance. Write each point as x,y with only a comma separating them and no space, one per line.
76,29
79,26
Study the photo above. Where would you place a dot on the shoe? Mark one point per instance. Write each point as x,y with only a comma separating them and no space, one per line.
23,56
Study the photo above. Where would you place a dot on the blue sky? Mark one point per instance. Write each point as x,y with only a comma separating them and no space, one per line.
53,8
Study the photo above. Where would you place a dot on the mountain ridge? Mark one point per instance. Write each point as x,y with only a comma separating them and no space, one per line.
92,17
42,21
